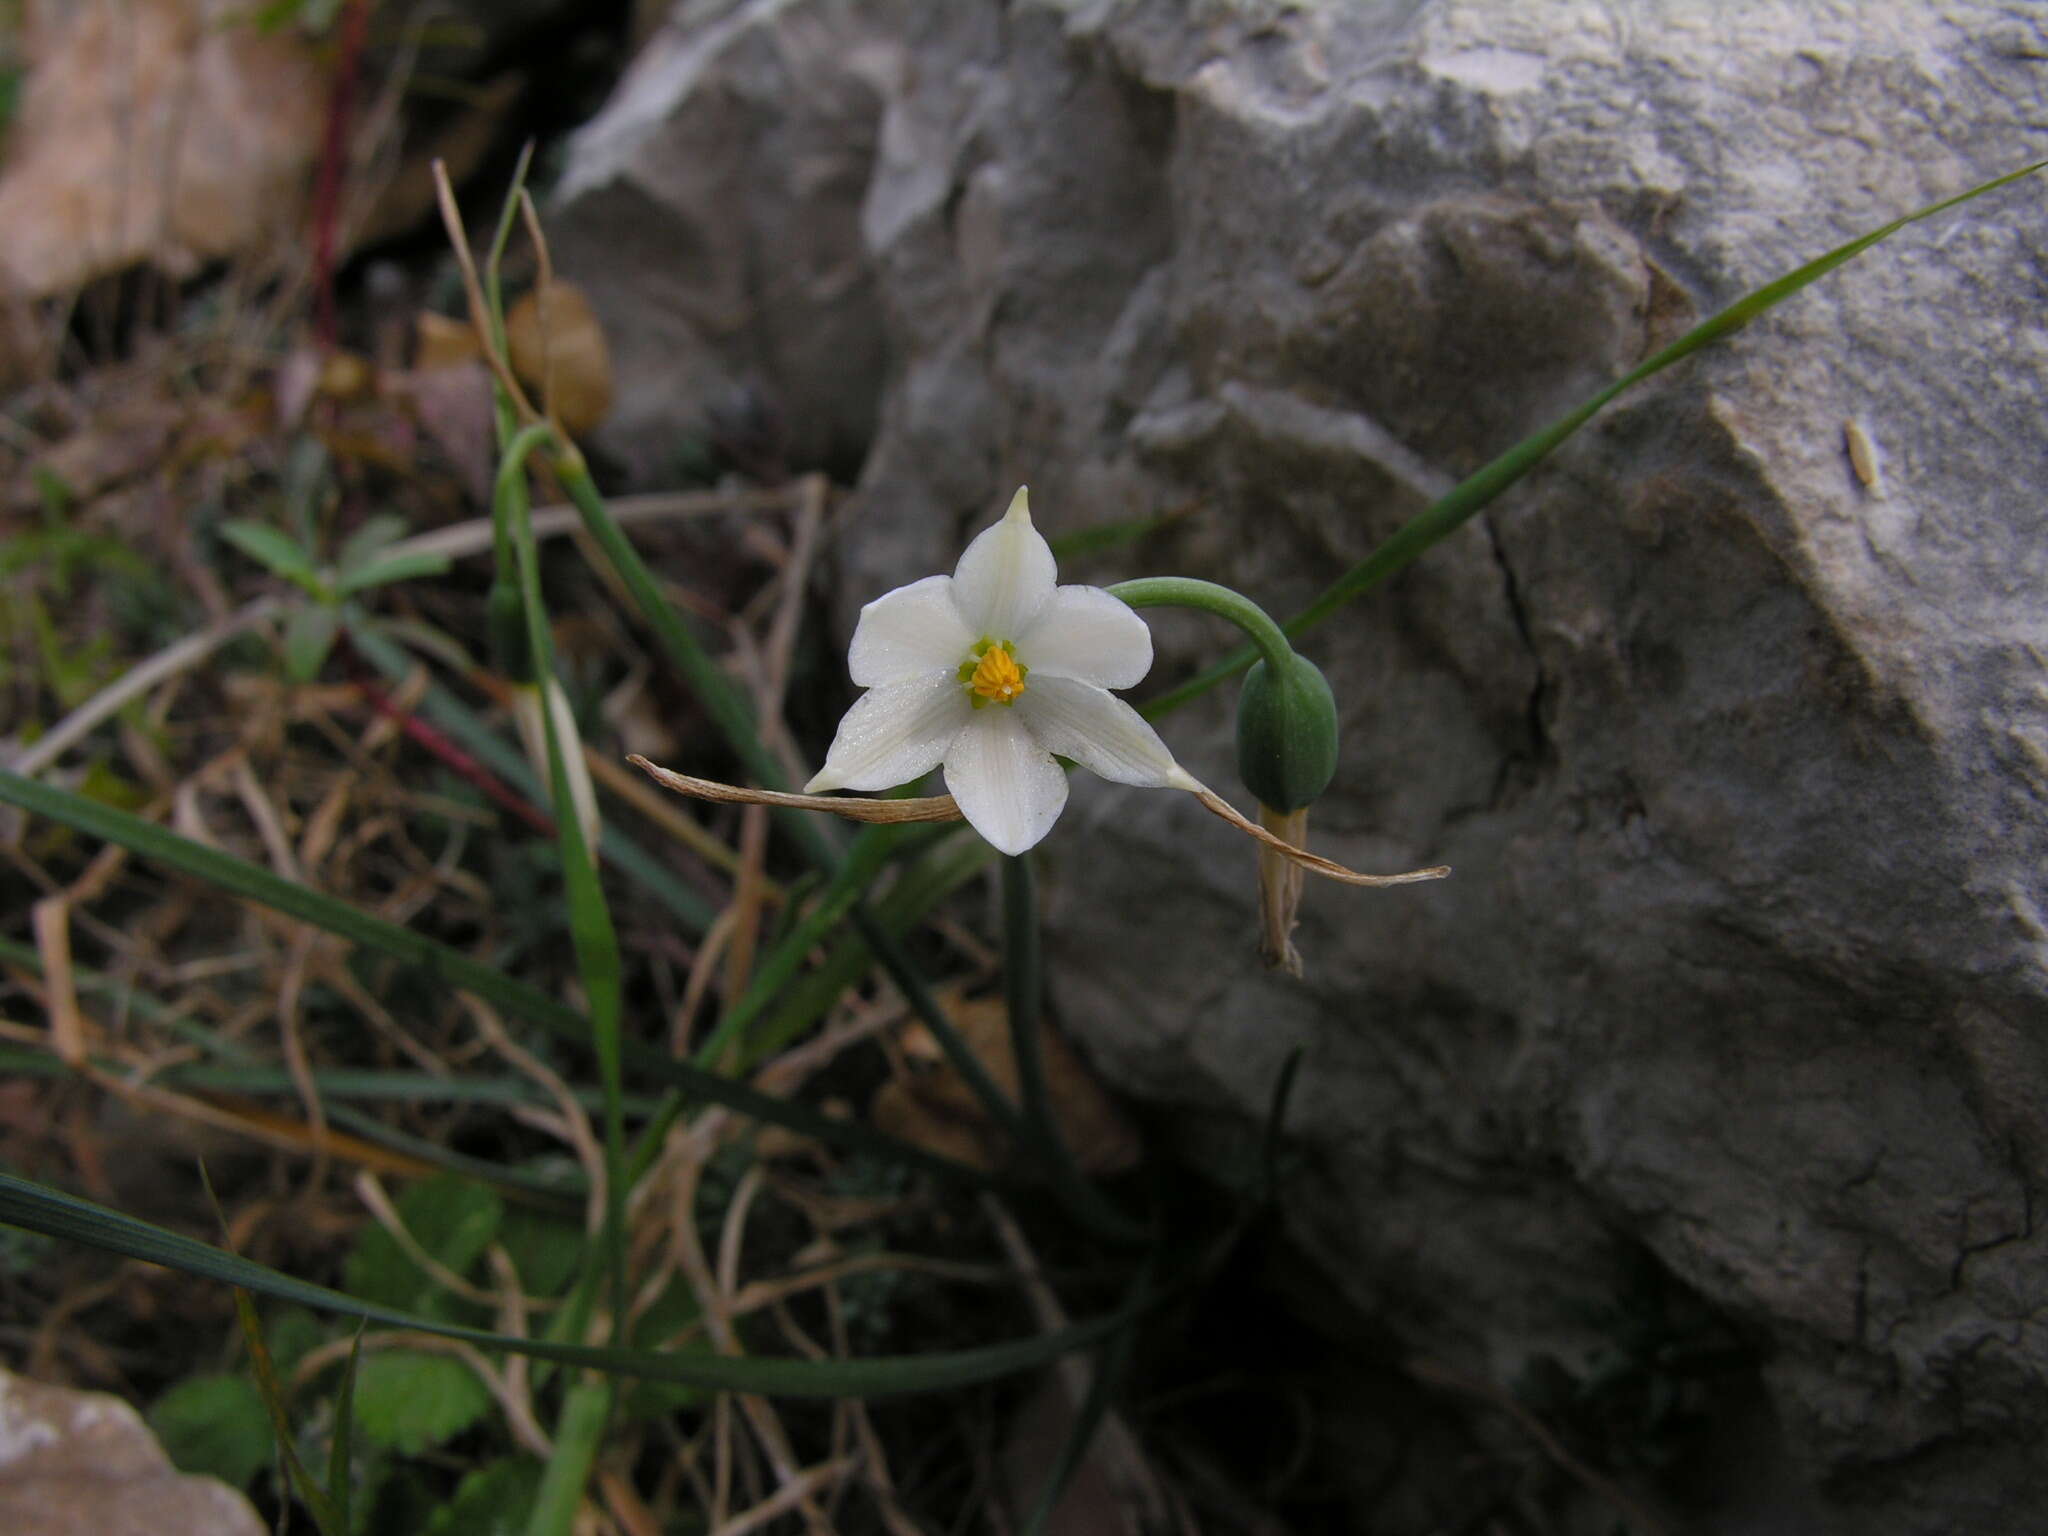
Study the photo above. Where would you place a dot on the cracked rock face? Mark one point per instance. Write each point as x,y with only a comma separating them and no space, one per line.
1738,747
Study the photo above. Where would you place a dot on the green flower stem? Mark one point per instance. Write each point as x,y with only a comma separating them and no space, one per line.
1023,987
729,709
1471,495
1186,592
578,1434
596,941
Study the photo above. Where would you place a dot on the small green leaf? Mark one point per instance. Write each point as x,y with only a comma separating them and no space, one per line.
546,1251
451,1219
491,1501
216,1426
308,636
369,541
411,1401
377,573
273,549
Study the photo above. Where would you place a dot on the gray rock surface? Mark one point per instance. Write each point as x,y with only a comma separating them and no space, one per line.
1740,761
84,1464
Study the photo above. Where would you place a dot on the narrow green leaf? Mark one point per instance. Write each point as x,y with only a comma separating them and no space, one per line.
376,535
1109,1367
341,1448
24,1203
448,965
591,931
1276,1125
309,632
402,567
310,1493
578,1434
273,549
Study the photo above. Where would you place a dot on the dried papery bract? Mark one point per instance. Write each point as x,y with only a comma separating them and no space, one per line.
1280,881
945,808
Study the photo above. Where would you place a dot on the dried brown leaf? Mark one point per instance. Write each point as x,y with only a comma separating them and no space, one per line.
557,343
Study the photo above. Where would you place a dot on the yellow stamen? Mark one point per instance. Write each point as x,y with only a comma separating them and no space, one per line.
998,678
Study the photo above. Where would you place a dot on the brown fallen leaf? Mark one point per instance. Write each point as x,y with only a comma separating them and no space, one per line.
442,342
935,1109
72,1462
152,130
574,361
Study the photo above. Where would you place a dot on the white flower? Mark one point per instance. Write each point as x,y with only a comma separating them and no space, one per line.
991,671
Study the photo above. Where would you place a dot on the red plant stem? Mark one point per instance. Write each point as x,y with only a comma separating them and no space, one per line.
355,26
460,762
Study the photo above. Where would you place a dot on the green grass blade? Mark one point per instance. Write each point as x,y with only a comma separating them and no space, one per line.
596,940
1023,991
390,568
475,736
1471,495
789,953
276,551
1109,1367
578,1434
36,1208
326,1516
340,1450
447,965
946,867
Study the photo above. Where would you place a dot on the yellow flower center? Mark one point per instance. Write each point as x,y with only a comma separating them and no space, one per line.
996,678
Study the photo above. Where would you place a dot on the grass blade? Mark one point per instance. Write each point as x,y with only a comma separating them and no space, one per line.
1471,495
341,1450
37,1208
447,965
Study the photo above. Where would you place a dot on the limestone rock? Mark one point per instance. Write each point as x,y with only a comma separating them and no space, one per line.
1740,760
76,1462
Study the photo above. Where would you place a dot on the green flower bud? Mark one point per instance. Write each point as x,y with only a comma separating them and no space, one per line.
1286,734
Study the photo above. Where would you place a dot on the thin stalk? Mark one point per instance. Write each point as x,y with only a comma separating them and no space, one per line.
1023,987
590,923
578,1434
1209,597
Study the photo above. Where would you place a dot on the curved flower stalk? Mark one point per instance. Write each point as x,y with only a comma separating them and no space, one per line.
991,671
